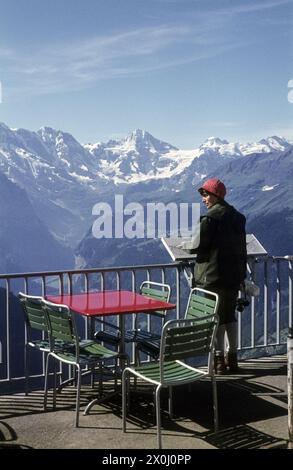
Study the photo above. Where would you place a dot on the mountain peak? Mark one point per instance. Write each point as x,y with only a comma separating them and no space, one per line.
140,140
139,135
214,142
47,134
275,141
48,130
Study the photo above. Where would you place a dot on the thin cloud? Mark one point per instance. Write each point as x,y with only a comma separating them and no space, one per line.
75,66
240,7
70,67
256,6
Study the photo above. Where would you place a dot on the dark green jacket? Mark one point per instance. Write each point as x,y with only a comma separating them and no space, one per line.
221,254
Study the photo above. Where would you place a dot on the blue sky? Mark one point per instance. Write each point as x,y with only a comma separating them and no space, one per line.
183,70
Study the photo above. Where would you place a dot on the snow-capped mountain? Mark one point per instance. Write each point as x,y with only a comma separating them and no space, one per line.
271,144
56,158
66,152
64,179
225,148
49,156
214,145
141,157
138,157
58,174
258,186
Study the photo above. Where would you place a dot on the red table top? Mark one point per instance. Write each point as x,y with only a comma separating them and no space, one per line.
109,303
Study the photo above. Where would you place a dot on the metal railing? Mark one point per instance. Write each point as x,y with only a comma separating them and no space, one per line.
262,326
265,323
13,333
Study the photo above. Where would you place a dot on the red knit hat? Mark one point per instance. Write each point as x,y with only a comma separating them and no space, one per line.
214,186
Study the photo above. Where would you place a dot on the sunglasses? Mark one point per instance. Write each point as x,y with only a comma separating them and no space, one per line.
204,194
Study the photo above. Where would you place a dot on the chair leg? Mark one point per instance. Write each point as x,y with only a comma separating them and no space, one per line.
92,377
46,383
215,404
60,375
158,415
74,374
125,380
78,387
26,353
170,402
100,379
116,374
54,386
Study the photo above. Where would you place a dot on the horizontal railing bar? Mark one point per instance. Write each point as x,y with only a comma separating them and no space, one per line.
258,346
22,377
90,270
118,268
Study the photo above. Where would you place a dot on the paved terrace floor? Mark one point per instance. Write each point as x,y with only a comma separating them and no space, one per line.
252,413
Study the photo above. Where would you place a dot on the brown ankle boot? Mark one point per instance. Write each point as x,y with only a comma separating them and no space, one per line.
219,364
232,362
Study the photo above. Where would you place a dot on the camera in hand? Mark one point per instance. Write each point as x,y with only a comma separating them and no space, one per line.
241,304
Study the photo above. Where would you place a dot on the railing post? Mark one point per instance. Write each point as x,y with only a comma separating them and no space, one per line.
8,350
265,303
69,283
252,271
87,323
290,383
290,299
133,322
278,302
290,360
178,292
148,316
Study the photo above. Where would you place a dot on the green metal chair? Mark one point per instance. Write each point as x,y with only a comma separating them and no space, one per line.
35,319
140,334
82,355
181,340
200,302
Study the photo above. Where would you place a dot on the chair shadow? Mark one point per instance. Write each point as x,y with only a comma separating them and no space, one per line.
7,436
15,405
194,402
252,397
7,433
238,436
244,437
141,412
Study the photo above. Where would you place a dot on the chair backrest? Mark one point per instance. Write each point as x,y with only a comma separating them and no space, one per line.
61,325
201,302
34,315
184,339
158,291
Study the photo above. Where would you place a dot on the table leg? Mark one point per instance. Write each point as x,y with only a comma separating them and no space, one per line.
121,364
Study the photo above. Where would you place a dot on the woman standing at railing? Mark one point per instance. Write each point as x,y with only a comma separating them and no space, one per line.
221,265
